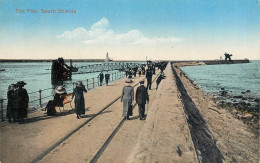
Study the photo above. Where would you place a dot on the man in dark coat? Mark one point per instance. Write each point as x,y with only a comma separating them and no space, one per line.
22,100
149,76
101,77
141,97
107,77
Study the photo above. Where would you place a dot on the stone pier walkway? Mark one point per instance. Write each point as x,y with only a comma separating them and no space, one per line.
163,137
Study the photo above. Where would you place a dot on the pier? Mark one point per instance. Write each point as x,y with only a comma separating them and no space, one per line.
179,127
108,66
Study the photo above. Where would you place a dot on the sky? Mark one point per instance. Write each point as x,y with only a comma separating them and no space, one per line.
129,29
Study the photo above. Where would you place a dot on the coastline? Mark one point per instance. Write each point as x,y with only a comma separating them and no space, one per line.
236,135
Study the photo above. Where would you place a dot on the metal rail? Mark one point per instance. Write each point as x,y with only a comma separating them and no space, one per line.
90,84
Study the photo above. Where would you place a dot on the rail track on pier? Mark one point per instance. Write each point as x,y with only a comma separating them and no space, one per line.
77,129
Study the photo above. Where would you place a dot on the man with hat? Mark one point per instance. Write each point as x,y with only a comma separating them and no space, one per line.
79,98
127,98
141,97
101,77
107,77
149,76
22,100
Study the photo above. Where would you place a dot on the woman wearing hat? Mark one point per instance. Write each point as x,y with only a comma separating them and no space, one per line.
22,100
79,98
58,97
127,97
11,109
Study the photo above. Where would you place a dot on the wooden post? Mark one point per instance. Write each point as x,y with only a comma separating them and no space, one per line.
40,94
2,110
87,83
93,82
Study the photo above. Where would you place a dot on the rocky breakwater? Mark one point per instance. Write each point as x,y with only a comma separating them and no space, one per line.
244,106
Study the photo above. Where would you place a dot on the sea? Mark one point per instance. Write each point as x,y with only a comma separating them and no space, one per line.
237,79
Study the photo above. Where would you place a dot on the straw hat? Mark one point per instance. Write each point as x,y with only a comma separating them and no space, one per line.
129,81
142,82
21,83
79,84
60,89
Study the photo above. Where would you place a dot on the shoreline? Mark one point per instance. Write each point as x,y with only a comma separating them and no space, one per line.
245,109
237,140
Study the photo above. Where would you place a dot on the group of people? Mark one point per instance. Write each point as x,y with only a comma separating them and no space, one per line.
18,102
127,98
101,77
18,99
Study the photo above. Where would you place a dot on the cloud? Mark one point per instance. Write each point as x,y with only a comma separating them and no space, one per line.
100,34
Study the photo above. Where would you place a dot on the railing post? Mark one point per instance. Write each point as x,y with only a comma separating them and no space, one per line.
93,82
73,86
87,83
40,94
2,110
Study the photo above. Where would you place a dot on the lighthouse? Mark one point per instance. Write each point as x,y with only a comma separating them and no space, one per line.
108,59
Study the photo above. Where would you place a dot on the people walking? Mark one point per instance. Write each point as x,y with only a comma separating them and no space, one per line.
11,108
79,99
139,71
22,100
107,77
149,76
141,97
101,77
127,98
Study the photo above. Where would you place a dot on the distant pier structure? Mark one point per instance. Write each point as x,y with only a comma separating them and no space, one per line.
109,66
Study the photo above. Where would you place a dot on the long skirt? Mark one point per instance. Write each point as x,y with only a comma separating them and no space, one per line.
80,105
126,105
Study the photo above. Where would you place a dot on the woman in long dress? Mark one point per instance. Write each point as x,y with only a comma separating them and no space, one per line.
79,99
22,101
11,108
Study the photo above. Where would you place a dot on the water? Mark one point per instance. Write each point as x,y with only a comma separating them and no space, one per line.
235,78
38,76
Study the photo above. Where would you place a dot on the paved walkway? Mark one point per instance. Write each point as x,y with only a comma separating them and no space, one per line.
163,137
24,142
